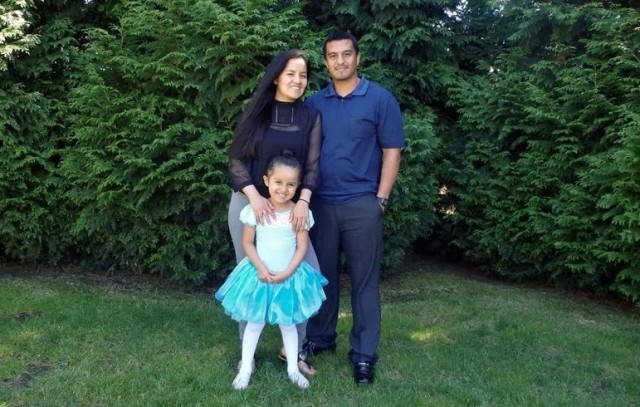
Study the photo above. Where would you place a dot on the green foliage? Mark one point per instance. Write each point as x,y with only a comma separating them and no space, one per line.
613,182
411,214
549,187
151,113
14,36
522,123
404,43
34,215
28,181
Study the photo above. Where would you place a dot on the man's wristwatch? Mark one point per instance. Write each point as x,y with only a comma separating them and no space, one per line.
384,202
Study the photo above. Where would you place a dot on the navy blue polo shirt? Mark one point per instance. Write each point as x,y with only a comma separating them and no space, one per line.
355,129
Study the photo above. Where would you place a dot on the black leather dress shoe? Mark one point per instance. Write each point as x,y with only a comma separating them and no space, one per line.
363,373
310,348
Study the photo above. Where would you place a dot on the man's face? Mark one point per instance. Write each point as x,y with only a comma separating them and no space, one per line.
341,60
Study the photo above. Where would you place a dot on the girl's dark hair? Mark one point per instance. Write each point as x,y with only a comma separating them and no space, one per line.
257,115
285,159
339,36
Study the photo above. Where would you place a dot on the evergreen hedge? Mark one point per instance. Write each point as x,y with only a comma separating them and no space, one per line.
37,47
549,187
522,123
151,112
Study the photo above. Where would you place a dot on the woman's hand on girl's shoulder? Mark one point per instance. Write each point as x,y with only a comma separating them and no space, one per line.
300,216
263,210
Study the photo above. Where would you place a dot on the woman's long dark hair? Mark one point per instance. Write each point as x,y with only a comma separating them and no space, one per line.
257,115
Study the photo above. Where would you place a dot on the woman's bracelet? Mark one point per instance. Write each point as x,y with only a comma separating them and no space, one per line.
304,200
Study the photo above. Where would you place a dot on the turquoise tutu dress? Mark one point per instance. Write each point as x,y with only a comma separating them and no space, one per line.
245,298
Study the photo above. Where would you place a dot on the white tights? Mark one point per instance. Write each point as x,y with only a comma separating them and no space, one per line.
250,342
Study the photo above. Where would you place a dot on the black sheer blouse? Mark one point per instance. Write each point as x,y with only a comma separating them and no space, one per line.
294,128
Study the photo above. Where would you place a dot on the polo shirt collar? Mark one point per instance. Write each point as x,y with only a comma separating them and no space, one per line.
360,90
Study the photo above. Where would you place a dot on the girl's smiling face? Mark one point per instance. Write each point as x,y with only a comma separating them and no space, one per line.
282,182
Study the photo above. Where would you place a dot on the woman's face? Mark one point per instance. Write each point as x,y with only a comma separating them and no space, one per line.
292,81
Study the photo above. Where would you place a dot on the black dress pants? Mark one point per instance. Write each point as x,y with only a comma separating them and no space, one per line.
353,229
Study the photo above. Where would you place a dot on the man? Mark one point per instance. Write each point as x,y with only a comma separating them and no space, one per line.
362,137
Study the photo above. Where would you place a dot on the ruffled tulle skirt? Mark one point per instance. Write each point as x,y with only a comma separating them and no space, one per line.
245,298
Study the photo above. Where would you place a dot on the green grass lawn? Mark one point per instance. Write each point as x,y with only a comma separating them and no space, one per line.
447,340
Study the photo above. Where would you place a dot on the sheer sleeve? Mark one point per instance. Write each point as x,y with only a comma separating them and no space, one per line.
239,173
312,162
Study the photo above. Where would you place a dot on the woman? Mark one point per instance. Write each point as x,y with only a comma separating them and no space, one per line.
275,122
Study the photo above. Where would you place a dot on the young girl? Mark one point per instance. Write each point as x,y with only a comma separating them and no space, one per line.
273,284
